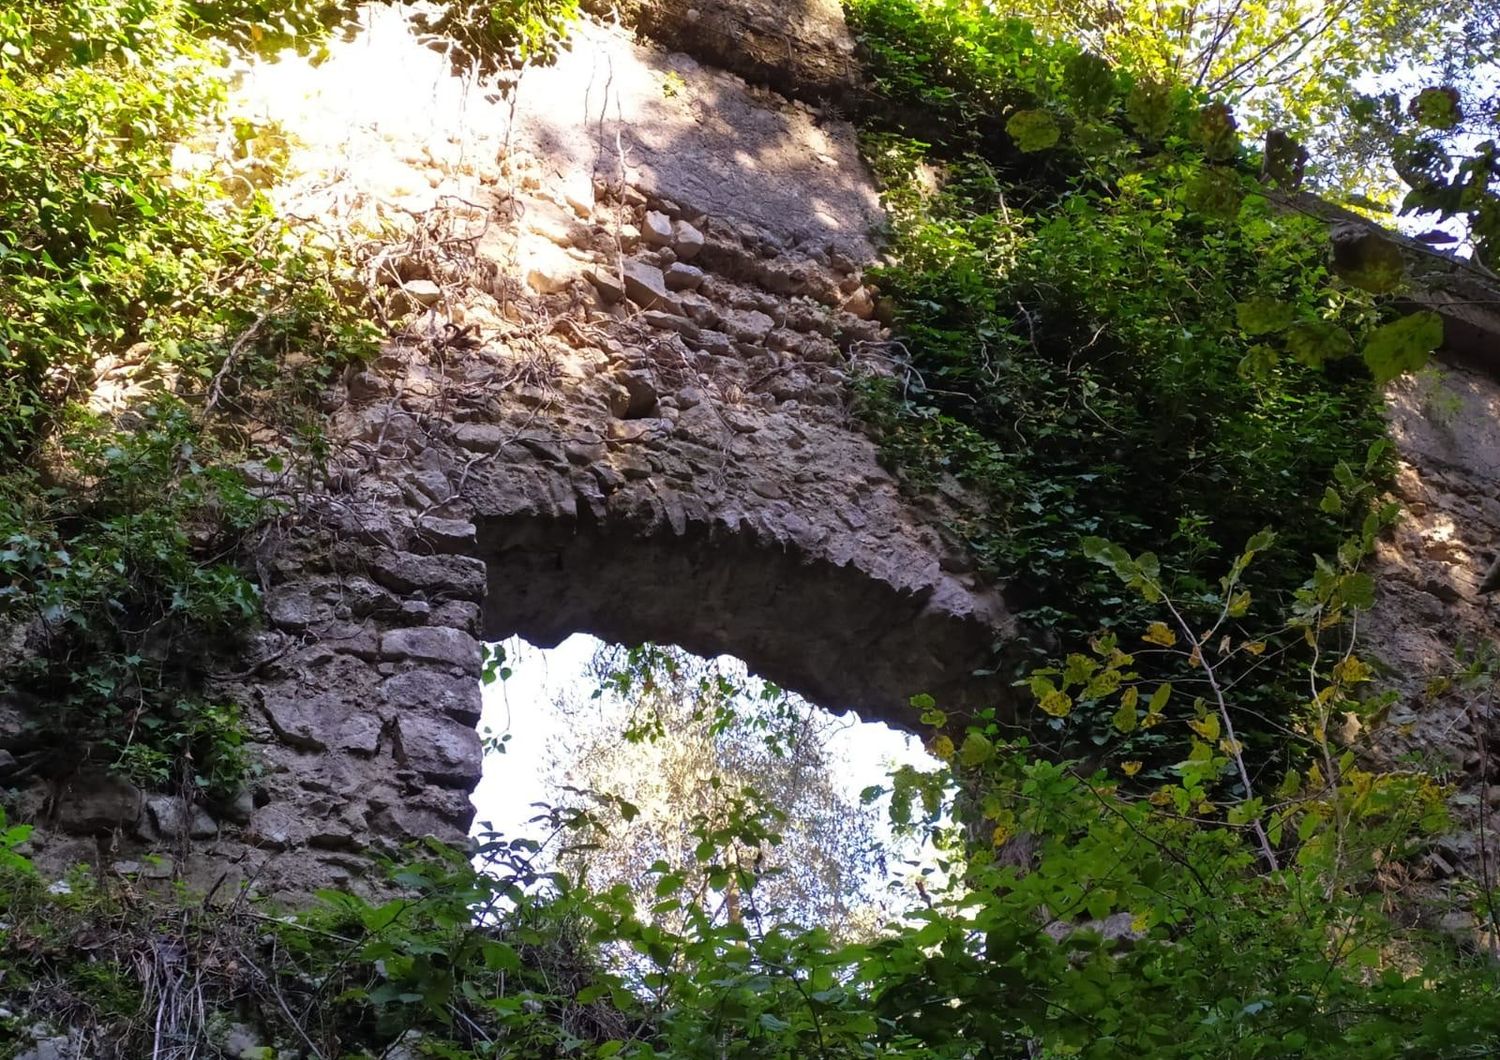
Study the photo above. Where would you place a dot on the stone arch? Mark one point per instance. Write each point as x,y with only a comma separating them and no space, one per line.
621,403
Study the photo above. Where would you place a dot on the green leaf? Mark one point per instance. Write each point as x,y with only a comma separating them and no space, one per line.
1403,345
1212,128
1216,192
1259,542
1358,590
1262,315
500,956
1315,342
1258,362
1149,109
1089,82
976,749
1367,259
1126,717
1437,107
1033,130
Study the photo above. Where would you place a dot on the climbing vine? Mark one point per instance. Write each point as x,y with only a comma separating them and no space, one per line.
158,323
1113,328
1113,320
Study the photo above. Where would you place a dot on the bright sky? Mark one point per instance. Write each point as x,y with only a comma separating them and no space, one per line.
525,708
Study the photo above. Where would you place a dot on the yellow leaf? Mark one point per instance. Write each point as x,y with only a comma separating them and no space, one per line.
1001,835
1230,747
1158,633
1195,658
942,748
1057,703
1208,727
1130,768
1255,647
1152,719
1130,697
1160,797
1351,671
1238,605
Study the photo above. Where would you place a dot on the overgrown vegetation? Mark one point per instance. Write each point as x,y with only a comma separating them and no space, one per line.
153,317
1112,330
1114,323
158,325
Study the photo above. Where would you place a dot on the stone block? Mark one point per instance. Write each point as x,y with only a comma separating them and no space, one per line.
304,722
687,241
416,690
97,802
445,752
432,644
173,818
656,229
647,287
447,575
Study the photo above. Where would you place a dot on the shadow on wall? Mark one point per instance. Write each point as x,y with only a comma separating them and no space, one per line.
831,633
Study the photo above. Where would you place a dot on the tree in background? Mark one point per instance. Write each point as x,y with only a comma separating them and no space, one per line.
1345,76
678,756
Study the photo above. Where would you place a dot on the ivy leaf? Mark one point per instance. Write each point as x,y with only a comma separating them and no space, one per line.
1262,315
1212,129
1358,590
1206,727
1437,107
1089,82
1149,109
1403,345
1366,259
1284,161
1098,139
1033,130
1215,191
1158,633
500,956
1314,342
976,750
1258,361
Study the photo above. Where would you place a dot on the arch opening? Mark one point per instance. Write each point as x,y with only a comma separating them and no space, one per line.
657,745
833,631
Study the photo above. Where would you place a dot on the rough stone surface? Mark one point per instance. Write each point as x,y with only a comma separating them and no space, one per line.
667,452
801,49
713,147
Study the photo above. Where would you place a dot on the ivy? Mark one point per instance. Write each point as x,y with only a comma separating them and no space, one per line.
1133,341
150,320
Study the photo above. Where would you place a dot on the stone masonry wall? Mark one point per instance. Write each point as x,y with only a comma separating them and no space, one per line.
617,399
628,320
